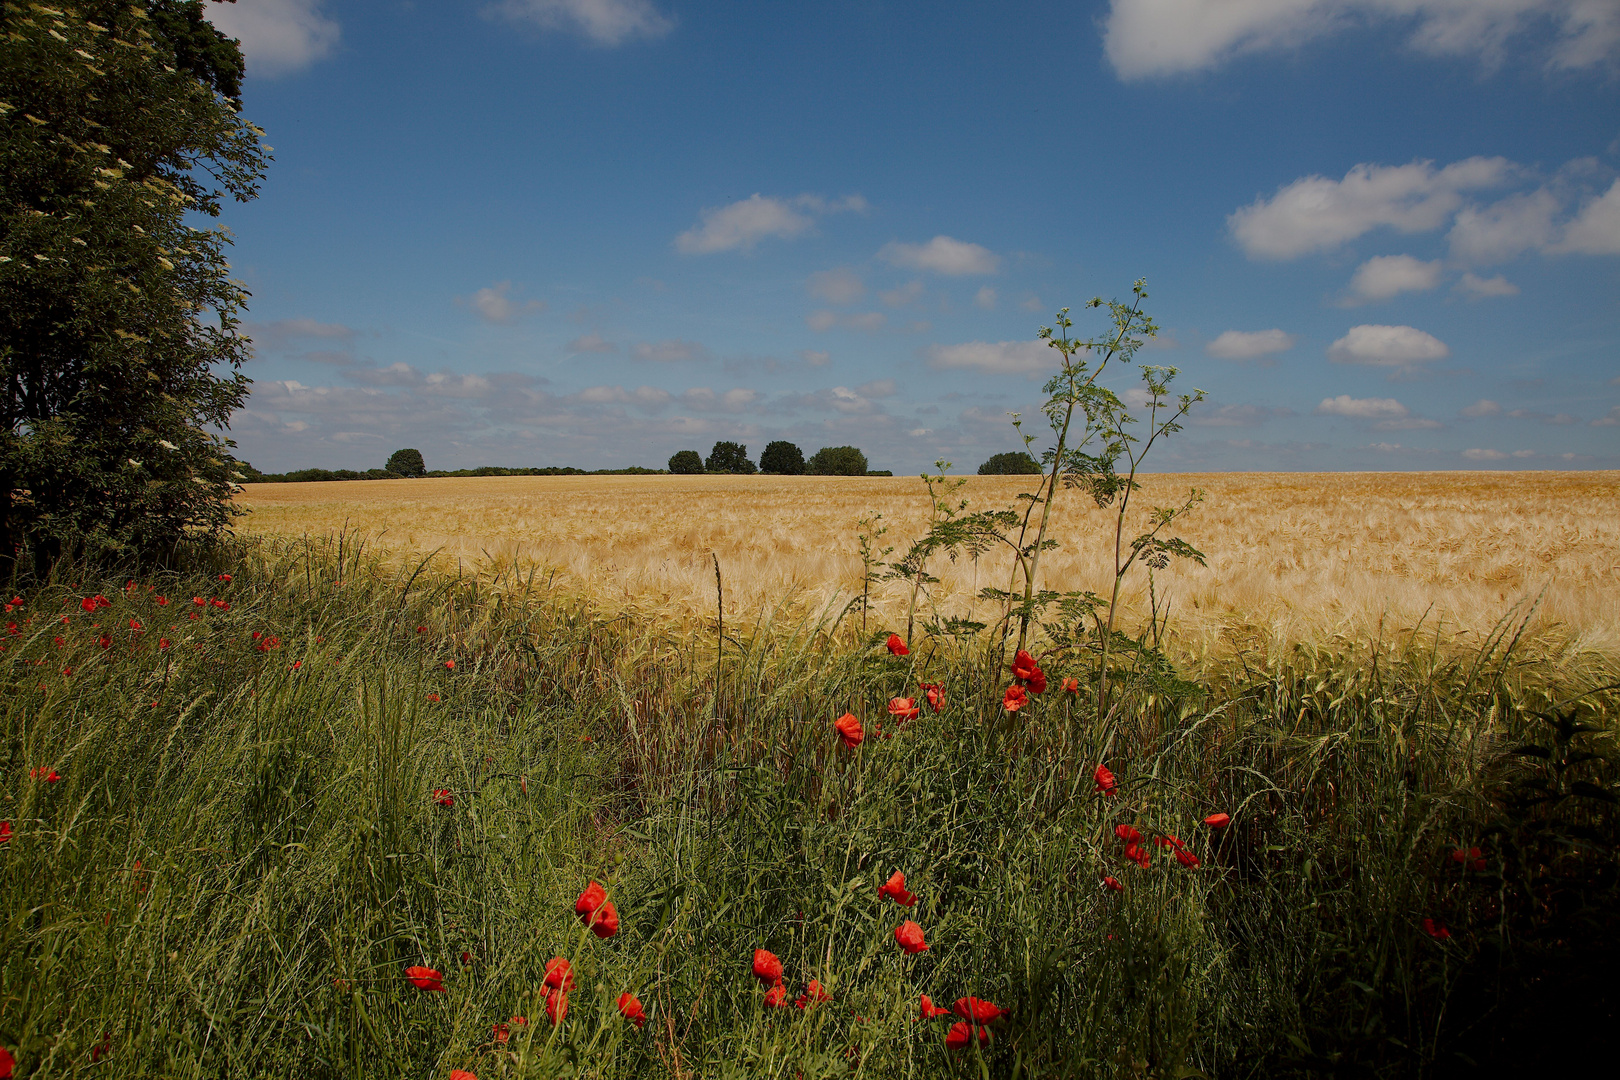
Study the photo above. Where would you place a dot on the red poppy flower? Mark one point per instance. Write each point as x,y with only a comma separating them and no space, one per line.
226,578
105,641
605,923
222,605
160,601
1473,857
466,958
556,1006
102,1048
1113,884
559,974
45,773
930,1010
977,1011
597,911
849,730
1015,698
521,1021
5,831
1436,930
813,995
1137,854
1127,834
296,664
903,708
164,643
896,646
1104,779
134,624
1023,666
961,1035
1218,821
1169,841
1071,685
433,697
1037,682
442,797
59,642
910,938
767,968
7,1063
895,889
462,1074
1186,858
630,1009
934,693
88,603
450,665
425,978
776,997
199,601
421,629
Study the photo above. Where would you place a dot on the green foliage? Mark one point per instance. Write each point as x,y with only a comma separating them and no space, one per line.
729,457
686,463
1014,463
837,461
407,463
782,458
119,347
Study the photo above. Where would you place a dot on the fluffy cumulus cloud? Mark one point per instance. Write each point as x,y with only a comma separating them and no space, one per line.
1250,344
605,22
1385,414
1388,346
278,37
867,321
1031,358
495,304
1595,230
1475,287
1148,38
1481,408
837,286
745,223
942,255
1483,454
590,343
1386,276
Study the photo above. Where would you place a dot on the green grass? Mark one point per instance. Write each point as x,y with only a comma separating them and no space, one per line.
293,861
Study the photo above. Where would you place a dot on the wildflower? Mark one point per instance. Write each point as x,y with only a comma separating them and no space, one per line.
296,664
930,1010
60,644
960,1036
226,578
1169,841
1127,834
449,665
521,1021
1473,857
421,629
425,978
164,643
88,603
767,968
1186,858
5,832
813,995
903,708
199,601
45,773
934,693
776,997
1113,884
559,974
1037,682
433,697
134,624
1015,698
556,1006
462,1074
105,641
895,889
1218,821
1104,779
977,1011
630,1009
910,938
1436,930
1023,666
102,1048
1137,854
597,911
849,730
442,797
160,601
7,1063
1071,685
466,958
896,646
222,605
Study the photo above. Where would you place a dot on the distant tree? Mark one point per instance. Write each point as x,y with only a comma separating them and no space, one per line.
407,463
838,461
729,457
686,463
1012,463
783,458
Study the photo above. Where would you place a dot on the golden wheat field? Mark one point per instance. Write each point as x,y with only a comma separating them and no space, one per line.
1291,556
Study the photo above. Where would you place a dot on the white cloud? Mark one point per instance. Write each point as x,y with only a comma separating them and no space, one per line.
1146,38
1524,453
605,22
1250,344
670,351
1315,213
1477,288
495,305
1596,229
825,320
279,335
942,255
985,298
744,224
1030,302
591,343
703,399
1611,420
998,358
1363,408
278,37
815,357
1562,419
1478,454
1236,415
1386,276
1387,346
838,286
1480,408
906,294
1506,228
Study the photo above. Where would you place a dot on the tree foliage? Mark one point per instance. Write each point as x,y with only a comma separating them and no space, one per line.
406,463
686,463
783,458
729,457
838,461
119,343
1013,463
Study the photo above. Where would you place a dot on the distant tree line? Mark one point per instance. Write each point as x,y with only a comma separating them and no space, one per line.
408,464
779,459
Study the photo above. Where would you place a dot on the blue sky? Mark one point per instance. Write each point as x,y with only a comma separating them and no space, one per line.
1381,234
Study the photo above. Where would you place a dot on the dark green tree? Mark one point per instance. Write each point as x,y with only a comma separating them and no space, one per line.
783,458
1012,463
729,457
406,463
838,461
119,345
686,463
